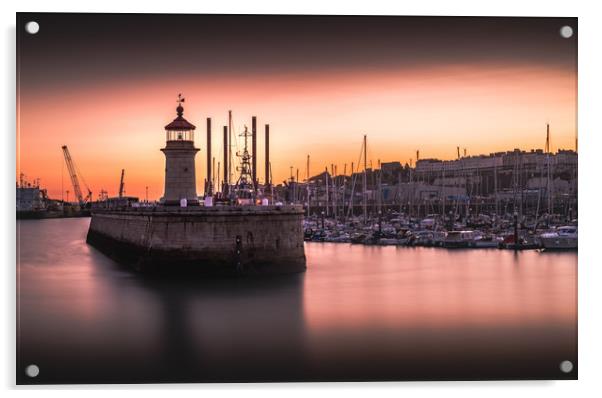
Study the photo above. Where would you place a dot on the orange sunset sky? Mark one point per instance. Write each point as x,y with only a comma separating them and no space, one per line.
319,91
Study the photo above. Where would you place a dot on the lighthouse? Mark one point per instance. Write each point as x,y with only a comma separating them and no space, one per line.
180,176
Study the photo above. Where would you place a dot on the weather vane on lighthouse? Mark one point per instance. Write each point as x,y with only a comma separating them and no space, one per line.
180,99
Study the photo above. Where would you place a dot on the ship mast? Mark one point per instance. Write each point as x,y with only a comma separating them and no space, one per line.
229,155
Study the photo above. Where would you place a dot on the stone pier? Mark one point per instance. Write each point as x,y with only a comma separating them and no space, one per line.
214,240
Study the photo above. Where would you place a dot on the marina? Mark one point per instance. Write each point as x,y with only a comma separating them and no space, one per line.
395,230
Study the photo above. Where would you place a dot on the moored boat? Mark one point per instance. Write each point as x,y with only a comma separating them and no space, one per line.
458,239
563,238
485,241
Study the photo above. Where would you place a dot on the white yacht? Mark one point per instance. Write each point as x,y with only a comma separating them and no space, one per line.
458,239
563,238
482,240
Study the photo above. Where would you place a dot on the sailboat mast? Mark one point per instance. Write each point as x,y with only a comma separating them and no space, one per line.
379,179
497,209
411,191
365,204
443,191
334,186
271,179
213,175
307,186
344,191
326,176
350,208
223,185
399,193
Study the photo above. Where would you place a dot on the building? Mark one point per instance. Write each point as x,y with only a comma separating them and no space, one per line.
530,182
30,199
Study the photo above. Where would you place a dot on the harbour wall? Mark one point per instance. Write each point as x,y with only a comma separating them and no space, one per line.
237,239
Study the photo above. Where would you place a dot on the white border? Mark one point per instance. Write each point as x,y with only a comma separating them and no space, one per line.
590,267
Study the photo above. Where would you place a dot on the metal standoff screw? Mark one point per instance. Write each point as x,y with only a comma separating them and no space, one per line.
32,370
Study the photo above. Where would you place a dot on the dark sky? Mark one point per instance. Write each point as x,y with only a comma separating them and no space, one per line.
73,49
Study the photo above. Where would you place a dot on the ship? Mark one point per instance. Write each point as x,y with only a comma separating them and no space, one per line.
33,202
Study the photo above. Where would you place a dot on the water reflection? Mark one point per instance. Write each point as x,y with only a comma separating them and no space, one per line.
440,314
357,313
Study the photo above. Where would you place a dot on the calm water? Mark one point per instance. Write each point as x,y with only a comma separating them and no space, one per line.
358,313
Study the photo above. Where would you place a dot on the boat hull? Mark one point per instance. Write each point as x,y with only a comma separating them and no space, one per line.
455,244
559,243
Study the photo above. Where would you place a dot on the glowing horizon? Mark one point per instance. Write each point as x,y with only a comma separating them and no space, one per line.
484,109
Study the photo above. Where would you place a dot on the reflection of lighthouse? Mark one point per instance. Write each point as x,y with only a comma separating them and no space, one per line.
180,180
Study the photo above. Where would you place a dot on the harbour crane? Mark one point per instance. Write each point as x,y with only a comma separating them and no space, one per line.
75,180
121,183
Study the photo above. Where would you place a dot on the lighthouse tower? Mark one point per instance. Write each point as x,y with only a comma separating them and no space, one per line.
180,178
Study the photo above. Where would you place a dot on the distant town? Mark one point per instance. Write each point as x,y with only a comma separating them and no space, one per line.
531,183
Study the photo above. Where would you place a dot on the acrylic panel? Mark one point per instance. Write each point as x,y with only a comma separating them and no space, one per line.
264,198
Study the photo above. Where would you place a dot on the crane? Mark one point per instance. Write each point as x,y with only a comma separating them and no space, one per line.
75,181
121,183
